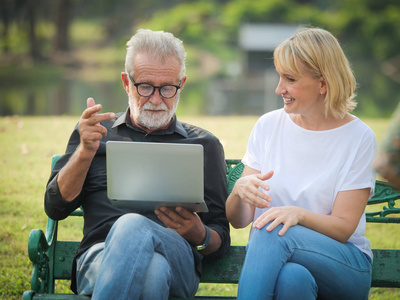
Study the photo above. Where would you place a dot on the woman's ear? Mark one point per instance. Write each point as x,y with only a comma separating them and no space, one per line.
322,86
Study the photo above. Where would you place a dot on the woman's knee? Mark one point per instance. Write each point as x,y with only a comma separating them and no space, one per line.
295,282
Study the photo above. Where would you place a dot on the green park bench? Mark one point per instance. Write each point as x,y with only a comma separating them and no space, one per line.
52,259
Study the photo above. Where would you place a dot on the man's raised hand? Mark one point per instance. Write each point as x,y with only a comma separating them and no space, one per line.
90,129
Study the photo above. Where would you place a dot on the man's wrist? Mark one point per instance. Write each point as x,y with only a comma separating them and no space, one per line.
206,240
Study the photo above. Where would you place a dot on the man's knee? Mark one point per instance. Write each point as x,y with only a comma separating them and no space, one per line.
131,220
157,278
130,223
127,226
295,281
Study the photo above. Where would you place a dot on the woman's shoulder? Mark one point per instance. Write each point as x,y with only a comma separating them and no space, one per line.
361,126
272,116
358,131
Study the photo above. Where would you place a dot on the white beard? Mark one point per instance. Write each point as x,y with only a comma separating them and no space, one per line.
152,121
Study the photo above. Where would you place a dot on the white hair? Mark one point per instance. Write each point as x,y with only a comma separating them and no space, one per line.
159,44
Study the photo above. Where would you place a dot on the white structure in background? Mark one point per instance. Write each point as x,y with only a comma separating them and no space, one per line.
251,87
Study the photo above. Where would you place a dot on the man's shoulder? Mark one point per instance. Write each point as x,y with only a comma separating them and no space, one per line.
194,131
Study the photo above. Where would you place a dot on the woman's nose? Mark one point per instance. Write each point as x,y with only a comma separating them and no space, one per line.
279,89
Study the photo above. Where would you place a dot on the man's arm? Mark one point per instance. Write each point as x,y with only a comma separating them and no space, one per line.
72,176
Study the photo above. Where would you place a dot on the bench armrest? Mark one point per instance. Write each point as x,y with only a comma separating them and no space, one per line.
39,245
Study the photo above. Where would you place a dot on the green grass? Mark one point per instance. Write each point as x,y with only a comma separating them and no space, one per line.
26,147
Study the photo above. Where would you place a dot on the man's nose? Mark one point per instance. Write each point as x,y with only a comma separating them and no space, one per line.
156,98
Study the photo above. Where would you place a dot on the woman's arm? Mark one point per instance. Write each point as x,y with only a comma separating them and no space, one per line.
339,225
246,195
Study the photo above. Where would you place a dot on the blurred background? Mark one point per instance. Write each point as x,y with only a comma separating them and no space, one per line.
56,53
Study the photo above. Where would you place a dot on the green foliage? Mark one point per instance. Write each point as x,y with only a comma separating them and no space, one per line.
192,22
239,11
87,31
368,30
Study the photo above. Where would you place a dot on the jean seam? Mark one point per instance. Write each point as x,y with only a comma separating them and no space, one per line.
134,267
335,260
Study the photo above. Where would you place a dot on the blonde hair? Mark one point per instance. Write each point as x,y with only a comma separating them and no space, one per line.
318,53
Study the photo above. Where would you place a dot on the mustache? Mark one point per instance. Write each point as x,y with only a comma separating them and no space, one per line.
150,106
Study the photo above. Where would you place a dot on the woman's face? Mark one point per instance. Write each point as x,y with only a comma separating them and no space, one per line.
301,94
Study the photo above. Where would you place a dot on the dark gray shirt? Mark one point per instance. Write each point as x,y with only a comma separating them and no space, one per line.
100,214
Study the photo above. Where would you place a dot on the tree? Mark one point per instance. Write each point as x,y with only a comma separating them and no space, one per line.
63,12
5,14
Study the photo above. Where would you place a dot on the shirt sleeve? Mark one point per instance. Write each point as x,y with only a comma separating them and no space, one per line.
361,174
55,207
216,193
253,155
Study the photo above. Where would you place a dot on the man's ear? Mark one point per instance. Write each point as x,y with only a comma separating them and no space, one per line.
125,81
183,81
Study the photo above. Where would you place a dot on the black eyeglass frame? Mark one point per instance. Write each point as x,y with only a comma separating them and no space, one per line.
178,87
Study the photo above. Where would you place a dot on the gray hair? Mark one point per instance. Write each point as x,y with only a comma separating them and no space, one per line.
159,44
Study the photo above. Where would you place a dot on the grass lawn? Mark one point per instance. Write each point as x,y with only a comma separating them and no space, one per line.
26,147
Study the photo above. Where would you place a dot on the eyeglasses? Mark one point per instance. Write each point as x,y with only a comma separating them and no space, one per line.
146,89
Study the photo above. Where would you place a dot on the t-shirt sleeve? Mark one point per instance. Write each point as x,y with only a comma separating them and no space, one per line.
361,174
252,157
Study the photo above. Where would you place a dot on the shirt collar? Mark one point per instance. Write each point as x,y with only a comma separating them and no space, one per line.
175,126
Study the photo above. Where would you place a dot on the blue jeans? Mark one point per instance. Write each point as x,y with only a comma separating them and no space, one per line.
303,264
139,260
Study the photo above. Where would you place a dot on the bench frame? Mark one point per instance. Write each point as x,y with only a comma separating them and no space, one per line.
52,259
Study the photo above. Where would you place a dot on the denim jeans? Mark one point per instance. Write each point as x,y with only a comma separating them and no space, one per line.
303,264
139,260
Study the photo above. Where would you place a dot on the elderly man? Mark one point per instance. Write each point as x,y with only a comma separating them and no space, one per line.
139,254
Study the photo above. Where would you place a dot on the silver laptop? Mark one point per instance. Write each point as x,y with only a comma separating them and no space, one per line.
146,176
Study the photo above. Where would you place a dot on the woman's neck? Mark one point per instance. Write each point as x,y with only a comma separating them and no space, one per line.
320,122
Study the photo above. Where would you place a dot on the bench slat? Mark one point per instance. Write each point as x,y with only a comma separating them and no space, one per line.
385,273
59,297
386,268
225,270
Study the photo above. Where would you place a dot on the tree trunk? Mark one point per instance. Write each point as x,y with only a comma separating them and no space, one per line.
6,20
63,21
33,44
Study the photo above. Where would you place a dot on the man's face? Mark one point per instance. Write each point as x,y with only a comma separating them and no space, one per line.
153,112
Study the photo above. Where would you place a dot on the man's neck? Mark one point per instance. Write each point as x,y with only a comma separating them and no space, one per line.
147,130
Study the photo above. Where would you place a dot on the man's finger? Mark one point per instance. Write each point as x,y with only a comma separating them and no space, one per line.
90,102
96,119
166,219
171,213
185,213
91,111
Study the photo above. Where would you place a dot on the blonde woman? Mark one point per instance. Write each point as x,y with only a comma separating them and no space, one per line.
306,181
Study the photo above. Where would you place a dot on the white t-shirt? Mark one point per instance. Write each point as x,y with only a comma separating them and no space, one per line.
311,167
